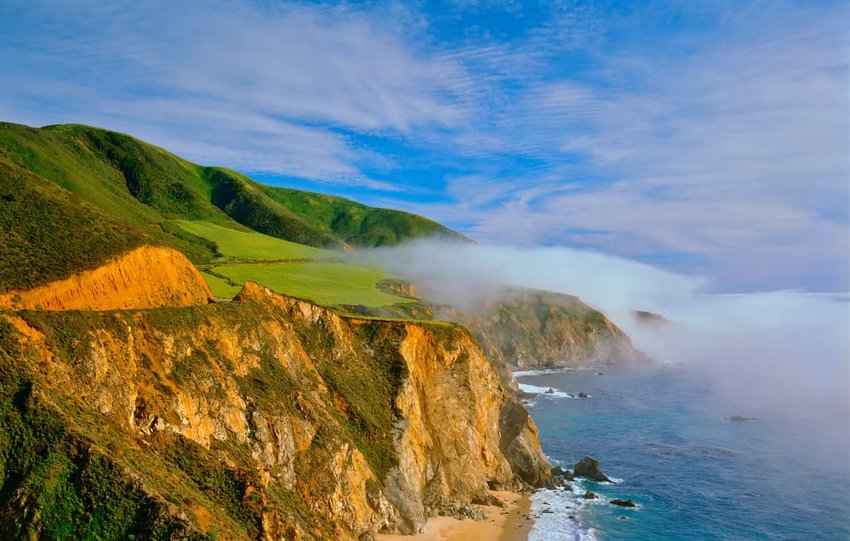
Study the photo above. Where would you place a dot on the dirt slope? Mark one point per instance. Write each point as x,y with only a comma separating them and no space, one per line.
147,277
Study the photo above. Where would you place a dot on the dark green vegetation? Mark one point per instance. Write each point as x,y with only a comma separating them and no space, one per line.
357,224
47,233
145,186
56,482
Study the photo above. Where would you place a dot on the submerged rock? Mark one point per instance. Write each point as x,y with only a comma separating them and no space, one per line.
623,503
582,394
589,495
740,418
589,467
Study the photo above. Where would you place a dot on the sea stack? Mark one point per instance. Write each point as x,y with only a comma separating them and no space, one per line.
589,467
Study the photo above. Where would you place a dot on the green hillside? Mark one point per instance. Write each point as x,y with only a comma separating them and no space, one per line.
146,185
47,233
354,223
326,277
75,195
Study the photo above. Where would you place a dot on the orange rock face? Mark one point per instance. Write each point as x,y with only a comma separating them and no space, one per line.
147,277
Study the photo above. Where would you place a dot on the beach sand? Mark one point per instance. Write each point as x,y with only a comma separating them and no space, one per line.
501,524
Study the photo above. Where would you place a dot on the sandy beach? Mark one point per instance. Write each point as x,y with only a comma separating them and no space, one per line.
500,524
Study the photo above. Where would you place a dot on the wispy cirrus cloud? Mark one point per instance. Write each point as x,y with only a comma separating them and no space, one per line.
728,158
707,137
261,87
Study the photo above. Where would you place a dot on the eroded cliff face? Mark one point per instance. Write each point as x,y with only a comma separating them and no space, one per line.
264,418
147,277
528,329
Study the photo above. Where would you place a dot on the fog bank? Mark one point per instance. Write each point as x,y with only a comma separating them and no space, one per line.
784,351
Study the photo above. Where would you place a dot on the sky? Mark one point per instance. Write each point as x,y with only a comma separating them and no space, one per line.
709,139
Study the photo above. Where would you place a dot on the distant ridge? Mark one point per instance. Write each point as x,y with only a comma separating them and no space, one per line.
143,186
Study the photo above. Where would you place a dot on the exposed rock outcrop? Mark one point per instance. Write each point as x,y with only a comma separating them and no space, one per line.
529,329
589,467
270,417
146,277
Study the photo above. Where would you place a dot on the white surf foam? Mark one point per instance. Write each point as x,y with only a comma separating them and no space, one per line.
556,524
525,387
541,372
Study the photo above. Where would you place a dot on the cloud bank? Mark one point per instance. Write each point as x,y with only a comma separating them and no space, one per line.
775,353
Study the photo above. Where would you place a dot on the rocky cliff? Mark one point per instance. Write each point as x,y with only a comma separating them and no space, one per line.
264,418
529,329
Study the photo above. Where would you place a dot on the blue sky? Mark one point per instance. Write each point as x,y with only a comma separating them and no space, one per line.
709,138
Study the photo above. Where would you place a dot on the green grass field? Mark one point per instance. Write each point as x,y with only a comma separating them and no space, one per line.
263,259
251,245
328,284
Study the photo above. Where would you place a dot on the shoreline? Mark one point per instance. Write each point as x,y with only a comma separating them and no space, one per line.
509,523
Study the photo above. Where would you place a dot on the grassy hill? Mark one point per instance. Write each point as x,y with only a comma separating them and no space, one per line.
74,196
146,185
47,233
354,223
327,277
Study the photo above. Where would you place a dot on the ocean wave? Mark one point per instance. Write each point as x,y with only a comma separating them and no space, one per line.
525,387
556,517
542,371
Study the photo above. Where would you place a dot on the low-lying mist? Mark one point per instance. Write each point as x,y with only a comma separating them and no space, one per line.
782,353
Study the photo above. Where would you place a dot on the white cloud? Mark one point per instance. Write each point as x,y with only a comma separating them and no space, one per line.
260,87
732,152
724,148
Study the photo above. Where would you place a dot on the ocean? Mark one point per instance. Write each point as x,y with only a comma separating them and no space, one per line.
697,469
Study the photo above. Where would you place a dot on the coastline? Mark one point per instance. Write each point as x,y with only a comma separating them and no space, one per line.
508,523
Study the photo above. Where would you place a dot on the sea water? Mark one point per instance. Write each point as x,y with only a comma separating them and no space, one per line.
695,468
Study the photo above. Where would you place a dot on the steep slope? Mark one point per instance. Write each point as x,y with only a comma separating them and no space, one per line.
146,277
146,185
528,329
355,223
47,233
267,417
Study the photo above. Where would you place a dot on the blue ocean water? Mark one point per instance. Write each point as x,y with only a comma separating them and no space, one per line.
663,436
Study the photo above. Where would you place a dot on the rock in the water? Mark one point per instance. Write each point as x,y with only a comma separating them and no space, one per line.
589,495
589,467
623,503
582,394
550,390
740,418
555,482
558,471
